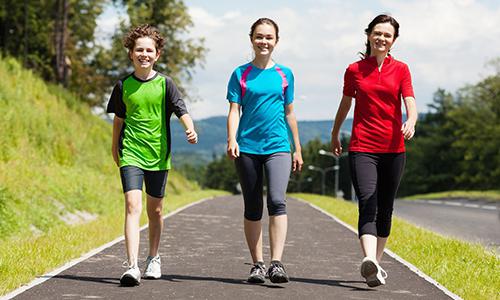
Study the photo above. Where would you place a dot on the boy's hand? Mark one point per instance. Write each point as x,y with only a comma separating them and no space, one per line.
191,136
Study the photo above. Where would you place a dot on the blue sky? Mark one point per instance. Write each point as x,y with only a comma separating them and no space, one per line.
446,44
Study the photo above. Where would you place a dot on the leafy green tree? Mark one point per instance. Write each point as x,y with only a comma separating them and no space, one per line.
53,37
221,174
477,133
180,55
431,165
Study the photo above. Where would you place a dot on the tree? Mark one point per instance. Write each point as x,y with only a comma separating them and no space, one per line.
477,133
180,55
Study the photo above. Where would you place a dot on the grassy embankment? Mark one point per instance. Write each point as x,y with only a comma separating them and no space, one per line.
469,195
60,193
468,270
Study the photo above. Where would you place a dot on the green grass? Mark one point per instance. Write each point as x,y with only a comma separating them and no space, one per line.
470,195
468,270
21,259
55,159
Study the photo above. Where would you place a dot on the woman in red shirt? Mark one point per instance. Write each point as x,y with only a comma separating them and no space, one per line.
378,82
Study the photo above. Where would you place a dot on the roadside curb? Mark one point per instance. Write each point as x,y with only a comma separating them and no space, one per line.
87,255
410,266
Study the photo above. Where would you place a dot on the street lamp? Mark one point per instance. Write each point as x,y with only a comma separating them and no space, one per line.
336,167
323,173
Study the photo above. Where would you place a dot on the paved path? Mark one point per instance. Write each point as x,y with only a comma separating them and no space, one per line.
474,221
205,257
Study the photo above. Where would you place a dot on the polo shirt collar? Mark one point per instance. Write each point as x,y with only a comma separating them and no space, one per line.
388,59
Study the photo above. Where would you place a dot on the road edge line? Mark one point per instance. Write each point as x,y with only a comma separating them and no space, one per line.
87,255
398,258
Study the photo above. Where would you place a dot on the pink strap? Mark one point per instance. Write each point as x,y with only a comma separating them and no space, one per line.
243,81
284,83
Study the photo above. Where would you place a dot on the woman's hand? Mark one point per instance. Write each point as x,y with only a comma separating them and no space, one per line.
408,129
233,150
336,146
297,161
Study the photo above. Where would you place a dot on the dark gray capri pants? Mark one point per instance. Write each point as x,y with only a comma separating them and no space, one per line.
250,168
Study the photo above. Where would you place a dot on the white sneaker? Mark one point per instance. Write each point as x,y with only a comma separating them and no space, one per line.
372,272
153,267
131,277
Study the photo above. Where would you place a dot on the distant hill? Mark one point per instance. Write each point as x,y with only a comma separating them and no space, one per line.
212,138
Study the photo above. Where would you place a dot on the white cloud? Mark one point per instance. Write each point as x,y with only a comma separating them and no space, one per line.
446,43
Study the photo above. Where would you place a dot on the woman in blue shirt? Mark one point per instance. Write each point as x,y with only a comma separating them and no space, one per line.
258,141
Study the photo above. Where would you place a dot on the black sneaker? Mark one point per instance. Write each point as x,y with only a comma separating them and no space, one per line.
257,273
277,273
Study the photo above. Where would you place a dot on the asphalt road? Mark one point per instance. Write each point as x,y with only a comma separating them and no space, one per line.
474,221
204,256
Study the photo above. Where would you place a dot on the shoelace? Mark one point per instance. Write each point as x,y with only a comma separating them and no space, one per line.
258,269
275,269
126,265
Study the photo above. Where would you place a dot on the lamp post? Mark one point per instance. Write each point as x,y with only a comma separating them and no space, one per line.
323,173
336,167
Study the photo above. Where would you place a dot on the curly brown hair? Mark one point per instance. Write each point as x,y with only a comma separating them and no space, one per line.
144,30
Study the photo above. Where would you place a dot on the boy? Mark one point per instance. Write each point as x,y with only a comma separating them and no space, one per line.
143,103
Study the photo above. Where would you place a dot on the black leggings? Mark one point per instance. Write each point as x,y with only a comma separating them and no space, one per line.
376,178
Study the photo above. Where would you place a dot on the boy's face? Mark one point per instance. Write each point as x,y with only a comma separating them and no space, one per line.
144,54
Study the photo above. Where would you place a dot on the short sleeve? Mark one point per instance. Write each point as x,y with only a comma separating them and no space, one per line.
173,99
115,104
234,89
406,85
290,89
349,83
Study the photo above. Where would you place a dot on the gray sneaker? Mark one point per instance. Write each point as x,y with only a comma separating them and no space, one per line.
131,277
257,273
153,267
277,273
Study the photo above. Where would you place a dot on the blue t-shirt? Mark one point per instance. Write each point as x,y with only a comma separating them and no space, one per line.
263,95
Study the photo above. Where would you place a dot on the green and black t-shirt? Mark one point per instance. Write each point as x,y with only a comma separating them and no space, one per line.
146,107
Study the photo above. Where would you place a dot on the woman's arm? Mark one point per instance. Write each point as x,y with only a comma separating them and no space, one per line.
292,123
233,119
408,128
344,107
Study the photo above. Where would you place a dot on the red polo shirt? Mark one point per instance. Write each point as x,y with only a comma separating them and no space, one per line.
377,114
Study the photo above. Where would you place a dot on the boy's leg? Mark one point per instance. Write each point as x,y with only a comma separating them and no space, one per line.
155,188
155,218
132,178
133,208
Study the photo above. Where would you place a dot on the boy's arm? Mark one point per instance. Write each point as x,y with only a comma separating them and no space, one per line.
117,128
187,123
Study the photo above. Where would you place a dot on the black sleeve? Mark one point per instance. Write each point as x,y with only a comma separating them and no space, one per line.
174,99
115,104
